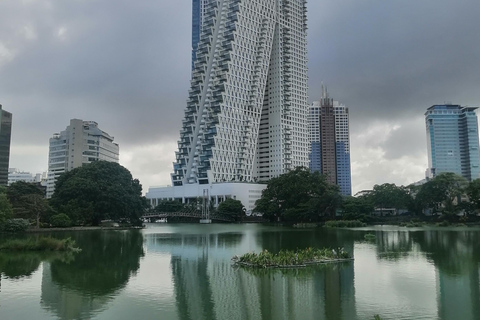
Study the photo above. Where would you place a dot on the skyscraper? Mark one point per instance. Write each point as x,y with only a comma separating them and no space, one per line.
5,137
80,143
247,107
328,124
198,13
452,141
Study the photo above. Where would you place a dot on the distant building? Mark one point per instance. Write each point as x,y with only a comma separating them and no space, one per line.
5,137
15,175
329,131
452,141
82,142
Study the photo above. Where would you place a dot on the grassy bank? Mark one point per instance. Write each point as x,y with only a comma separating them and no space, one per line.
39,244
290,258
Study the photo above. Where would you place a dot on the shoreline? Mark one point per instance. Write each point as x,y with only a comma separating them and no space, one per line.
44,230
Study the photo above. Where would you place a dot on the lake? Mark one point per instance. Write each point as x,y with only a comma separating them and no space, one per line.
183,271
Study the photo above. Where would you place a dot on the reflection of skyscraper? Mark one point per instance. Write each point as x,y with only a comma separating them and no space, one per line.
452,141
458,295
207,286
329,131
5,137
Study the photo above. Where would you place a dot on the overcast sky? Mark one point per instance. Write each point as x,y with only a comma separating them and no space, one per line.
126,65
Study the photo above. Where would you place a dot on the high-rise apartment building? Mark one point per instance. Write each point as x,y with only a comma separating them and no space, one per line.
328,124
5,138
452,141
247,108
198,13
80,143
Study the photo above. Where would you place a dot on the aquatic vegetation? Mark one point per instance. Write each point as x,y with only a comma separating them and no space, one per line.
39,244
345,224
370,237
292,258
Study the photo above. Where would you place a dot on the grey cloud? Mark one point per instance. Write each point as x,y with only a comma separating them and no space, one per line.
126,64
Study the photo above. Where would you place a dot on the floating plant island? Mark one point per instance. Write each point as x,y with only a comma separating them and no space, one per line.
292,258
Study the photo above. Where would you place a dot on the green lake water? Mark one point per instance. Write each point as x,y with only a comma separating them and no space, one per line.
183,271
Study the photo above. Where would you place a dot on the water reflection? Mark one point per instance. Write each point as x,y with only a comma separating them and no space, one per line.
103,267
207,286
455,255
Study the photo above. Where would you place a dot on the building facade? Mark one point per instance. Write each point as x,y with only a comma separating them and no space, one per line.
198,13
15,175
80,143
247,107
5,138
247,104
329,131
452,141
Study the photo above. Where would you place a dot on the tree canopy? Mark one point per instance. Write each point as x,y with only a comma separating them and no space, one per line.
99,191
232,208
298,195
442,193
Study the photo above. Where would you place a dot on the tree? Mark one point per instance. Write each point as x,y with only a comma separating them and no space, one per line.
443,193
232,208
6,210
28,201
169,206
357,205
99,191
388,195
473,193
298,195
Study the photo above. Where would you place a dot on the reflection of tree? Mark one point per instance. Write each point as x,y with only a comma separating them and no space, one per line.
104,266
24,264
304,238
456,257
105,263
17,265
453,252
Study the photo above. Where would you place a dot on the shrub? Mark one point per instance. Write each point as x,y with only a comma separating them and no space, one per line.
40,244
16,225
60,221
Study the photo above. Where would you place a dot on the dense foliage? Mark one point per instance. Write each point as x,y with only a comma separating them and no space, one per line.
60,221
28,201
15,225
232,208
99,191
298,195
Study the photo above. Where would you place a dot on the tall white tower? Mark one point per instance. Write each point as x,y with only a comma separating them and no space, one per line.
247,109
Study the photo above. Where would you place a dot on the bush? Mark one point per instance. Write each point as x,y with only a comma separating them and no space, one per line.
16,225
40,244
60,221
344,224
